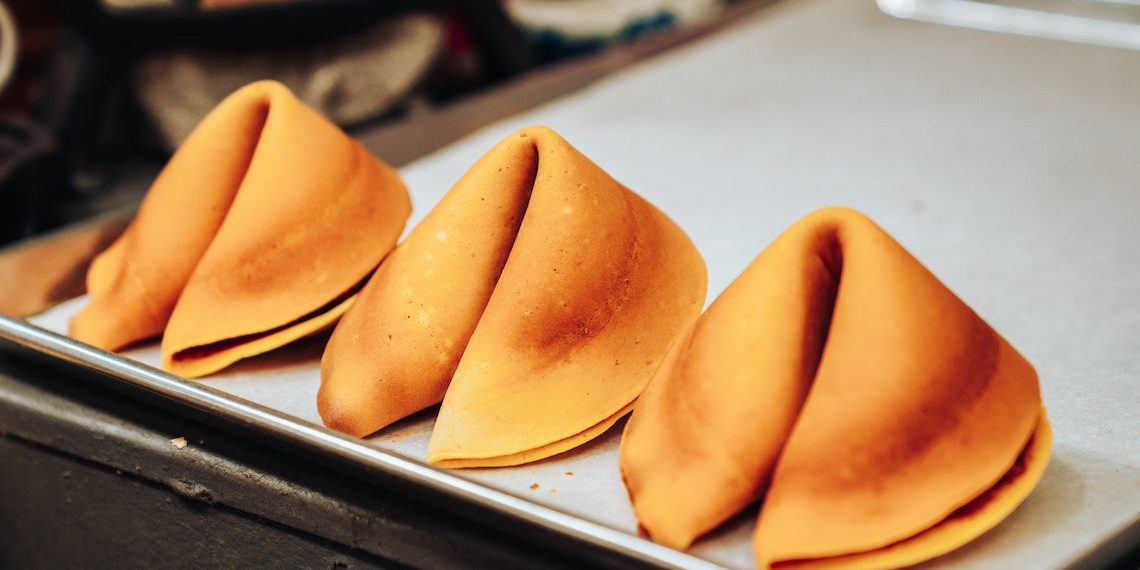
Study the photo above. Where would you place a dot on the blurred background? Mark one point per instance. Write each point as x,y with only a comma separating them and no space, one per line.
95,94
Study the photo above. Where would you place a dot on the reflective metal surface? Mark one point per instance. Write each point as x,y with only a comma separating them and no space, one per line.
1113,23
21,337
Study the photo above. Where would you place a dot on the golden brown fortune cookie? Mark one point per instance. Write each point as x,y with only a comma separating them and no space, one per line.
259,231
539,294
886,421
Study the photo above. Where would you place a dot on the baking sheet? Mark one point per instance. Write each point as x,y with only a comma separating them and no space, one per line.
1007,165
1010,166
583,482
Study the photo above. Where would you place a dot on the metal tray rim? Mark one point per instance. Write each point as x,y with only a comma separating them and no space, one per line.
17,335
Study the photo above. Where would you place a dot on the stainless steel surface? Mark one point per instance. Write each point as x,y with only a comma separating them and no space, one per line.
1112,23
26,337
92,479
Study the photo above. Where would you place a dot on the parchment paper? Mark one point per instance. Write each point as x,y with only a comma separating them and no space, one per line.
1010,166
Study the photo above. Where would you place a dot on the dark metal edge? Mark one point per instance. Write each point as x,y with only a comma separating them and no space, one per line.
350,456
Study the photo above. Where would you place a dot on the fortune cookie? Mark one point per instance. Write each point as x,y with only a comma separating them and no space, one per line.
259,231
539,295
885,420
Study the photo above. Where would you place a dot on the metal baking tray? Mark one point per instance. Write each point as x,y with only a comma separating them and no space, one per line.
1112,23
238,398
735,157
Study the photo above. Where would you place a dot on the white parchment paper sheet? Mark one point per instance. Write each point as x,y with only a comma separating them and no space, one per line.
1009,166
